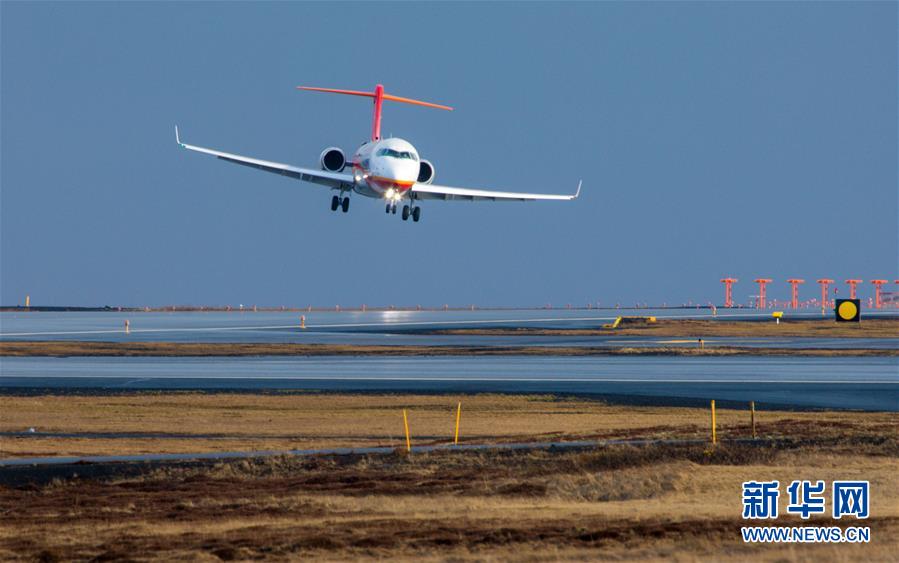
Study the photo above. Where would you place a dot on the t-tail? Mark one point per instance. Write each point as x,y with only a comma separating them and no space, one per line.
379,96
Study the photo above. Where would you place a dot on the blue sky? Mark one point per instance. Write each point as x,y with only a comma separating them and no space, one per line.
743,139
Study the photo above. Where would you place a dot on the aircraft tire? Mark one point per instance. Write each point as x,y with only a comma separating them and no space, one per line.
416,214
346,204
387,209
405,212
335,202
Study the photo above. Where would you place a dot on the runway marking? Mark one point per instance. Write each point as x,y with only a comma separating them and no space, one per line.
384,324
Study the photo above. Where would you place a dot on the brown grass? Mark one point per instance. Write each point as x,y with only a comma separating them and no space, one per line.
247,421
67,348
650,503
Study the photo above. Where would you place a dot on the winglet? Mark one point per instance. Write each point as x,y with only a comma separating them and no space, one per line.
178,137
578,192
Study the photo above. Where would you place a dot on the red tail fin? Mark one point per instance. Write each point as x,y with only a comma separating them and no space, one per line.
379,96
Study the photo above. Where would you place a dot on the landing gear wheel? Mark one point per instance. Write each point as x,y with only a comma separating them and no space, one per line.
416,214
387,209
335,202
346,204
393,209
405,212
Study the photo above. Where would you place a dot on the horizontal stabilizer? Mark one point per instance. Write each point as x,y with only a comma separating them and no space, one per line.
374,94
379,96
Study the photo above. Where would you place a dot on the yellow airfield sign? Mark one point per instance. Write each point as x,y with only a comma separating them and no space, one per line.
847,310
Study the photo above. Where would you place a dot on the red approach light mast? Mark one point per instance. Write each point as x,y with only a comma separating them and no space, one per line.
825,284
794,292
852,284
728,291
878,296
762,302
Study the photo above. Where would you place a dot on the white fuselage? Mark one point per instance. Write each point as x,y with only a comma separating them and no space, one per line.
386,168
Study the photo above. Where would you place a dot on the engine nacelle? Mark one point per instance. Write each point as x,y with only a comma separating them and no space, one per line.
332,159
425,172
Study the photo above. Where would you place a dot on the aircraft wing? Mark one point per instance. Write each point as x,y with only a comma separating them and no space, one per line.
330,179
431,191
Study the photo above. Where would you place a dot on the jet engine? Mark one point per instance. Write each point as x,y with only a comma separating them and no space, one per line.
425,172
332,159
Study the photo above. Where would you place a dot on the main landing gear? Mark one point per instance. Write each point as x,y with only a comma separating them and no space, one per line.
342,202
415,212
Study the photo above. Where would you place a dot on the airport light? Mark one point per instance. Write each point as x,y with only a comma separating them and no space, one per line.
825,284
878,295
763,282
728,291
852,284
794,291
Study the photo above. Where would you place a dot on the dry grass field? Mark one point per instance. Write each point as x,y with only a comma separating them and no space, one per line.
172,422
653,502
635,503
679,347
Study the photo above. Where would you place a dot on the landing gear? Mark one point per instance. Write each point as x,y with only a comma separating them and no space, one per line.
414,212
342,202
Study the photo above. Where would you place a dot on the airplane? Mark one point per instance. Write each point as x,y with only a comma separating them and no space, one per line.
388,169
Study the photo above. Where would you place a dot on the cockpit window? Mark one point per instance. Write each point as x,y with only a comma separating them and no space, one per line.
397,154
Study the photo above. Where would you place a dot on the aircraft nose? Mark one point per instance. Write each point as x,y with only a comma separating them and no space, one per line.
391,169
404,170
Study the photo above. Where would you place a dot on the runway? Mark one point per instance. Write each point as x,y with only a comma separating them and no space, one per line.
389,328
869,383
860,383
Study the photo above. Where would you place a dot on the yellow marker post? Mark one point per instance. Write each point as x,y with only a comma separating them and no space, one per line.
302,321
777,316
714,435
408,438
27,301
458,418
752,417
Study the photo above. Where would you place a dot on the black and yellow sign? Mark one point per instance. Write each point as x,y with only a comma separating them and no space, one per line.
847,310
